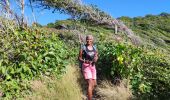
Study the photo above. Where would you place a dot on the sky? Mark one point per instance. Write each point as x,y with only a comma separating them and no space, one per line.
116,8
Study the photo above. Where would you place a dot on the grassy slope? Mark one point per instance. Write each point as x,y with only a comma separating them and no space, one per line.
66,88
153,29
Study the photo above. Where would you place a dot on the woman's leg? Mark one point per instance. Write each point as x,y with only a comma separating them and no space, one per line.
94,84
90,89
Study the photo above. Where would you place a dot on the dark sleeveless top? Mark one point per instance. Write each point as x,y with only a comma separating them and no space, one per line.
88,54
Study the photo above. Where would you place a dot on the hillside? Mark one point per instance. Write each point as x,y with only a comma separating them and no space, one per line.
152,29
40,62
155,40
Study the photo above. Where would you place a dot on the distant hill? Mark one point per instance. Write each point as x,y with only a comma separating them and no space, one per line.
153,29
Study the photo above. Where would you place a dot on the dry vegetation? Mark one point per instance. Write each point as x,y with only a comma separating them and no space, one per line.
108,91
73,87
66,88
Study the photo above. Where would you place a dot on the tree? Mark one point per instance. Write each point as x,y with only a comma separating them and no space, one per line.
164,14
88,12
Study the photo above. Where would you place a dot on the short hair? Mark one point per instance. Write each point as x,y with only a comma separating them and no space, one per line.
89,37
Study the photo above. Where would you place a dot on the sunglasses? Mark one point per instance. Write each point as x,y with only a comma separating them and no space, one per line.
89,40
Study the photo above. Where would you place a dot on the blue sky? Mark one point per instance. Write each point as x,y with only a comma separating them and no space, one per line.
116,8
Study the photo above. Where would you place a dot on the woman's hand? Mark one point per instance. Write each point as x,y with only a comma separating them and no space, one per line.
88,62
95,59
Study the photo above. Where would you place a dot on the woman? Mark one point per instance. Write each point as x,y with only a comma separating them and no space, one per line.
88,55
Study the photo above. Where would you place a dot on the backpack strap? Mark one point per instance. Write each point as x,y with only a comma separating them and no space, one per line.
83,47
95,47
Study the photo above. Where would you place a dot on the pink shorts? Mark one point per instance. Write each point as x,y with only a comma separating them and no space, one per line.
89,71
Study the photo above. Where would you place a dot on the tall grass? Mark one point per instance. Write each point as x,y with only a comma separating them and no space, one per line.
66,88
107,91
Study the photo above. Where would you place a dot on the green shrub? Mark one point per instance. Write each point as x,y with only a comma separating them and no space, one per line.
147,72
25,55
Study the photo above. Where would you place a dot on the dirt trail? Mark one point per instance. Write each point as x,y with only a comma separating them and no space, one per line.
105,90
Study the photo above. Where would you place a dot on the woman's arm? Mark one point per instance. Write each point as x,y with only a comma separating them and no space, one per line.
96,56
81,56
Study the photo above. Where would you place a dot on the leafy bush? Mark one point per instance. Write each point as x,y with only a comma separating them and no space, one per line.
147,72
24,55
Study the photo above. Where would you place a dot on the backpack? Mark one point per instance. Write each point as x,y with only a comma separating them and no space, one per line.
84,47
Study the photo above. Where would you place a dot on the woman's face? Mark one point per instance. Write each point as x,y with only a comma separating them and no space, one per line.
89,41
